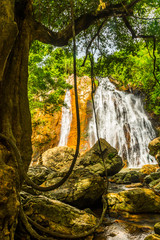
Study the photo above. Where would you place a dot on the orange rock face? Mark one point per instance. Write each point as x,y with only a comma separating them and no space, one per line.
85,110
46,127
45,132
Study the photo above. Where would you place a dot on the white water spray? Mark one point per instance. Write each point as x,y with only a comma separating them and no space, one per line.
66,120
123,123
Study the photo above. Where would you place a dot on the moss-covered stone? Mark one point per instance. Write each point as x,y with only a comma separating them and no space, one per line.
152,237
148,169
153,180
154,147
154,183
82,189
127,177
135,201
57,216
157,228
92,159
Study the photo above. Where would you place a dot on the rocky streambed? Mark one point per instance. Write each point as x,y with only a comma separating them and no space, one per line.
133,196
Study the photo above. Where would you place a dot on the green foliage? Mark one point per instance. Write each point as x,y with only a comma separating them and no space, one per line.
47,73
130,64
48,69
135,69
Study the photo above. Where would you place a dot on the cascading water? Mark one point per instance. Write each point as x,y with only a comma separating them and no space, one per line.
66,120
123,123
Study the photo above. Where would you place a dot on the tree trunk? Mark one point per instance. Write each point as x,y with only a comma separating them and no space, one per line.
15,121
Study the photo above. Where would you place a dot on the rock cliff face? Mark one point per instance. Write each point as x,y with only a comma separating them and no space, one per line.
46,128
45,133
85,109
154,148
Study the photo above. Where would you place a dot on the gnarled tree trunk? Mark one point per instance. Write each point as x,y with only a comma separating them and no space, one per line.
15,122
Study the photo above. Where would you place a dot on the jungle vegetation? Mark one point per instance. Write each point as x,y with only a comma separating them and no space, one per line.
22,23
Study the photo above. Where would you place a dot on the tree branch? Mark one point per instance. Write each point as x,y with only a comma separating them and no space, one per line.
128,25
133,3
90,43
62,37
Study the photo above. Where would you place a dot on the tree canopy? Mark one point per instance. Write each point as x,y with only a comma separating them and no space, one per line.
112,30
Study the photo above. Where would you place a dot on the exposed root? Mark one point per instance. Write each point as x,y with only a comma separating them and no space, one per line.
29,228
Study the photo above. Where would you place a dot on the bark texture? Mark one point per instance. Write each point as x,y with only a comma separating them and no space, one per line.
15,121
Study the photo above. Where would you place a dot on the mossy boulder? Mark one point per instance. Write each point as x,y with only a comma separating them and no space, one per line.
153,180
153,237
57,216
135,201
154,147
60,158
157,228
82,189
127,177
149,168
92,159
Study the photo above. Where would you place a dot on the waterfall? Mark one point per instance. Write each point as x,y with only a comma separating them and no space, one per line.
123,123
66,119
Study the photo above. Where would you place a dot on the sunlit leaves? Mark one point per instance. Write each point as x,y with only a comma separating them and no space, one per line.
46,77
136,69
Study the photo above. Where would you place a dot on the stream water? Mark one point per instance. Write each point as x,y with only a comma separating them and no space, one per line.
123,122
66,120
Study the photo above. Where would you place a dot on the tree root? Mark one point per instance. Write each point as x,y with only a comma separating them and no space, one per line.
29,228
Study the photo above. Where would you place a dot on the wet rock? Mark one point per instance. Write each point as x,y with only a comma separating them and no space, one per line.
157,228
153,180
82,189
154,147
155,184
135,201
57,216
92,160
127,177
134,185
45,132
149,168
152,237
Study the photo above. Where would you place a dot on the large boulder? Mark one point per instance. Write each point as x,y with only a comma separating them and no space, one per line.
154,147
57,216
58,158
82,189
92,159
86,185
135,201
